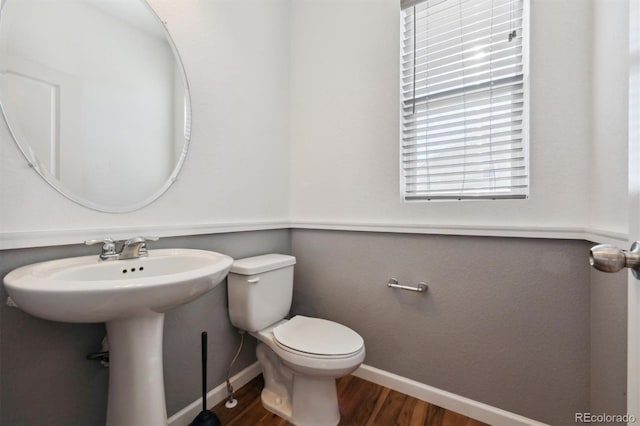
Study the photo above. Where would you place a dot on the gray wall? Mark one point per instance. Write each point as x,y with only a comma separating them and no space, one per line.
44,378
505,320
520,324
608,342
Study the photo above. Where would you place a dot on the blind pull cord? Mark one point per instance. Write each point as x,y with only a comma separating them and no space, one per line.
512,32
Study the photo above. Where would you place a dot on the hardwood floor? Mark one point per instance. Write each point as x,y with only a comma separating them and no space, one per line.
362,403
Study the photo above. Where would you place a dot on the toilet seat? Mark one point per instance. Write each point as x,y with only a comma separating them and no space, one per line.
317,338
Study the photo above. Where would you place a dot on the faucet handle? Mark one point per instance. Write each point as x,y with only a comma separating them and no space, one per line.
143,247
143,240
106,242
108,247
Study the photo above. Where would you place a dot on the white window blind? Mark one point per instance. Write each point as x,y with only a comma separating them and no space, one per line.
463,100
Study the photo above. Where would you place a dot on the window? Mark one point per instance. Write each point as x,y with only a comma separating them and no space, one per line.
464,109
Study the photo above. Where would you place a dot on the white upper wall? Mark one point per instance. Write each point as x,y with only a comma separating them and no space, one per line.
295,118
236,55
607,189
345,119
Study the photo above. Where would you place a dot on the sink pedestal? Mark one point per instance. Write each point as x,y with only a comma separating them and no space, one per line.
136,379
87,289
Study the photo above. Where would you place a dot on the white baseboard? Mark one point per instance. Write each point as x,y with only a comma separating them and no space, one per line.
214,396
459,404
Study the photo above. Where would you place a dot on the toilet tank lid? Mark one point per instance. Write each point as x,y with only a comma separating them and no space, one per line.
258,264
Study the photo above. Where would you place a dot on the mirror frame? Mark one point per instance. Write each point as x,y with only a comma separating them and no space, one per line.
34,163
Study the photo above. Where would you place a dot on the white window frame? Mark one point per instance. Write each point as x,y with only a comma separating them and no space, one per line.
407,198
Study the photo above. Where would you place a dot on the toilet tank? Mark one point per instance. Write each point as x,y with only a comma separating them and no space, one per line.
260,290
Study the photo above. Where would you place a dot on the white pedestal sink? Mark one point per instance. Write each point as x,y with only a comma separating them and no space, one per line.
130,296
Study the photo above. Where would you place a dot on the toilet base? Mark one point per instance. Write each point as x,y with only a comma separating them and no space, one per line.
277,404
316,404
315,401
300,399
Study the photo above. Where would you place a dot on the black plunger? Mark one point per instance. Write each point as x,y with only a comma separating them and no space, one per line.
206,417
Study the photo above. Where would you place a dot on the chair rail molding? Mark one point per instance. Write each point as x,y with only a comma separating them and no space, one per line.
57,237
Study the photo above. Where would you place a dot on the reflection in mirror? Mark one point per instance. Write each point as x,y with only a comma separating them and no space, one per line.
95,95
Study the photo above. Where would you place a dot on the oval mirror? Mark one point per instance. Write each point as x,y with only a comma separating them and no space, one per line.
95,95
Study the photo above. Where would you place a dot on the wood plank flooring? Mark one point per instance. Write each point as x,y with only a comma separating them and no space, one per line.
362,403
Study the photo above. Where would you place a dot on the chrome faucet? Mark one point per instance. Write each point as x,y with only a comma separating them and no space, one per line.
133,248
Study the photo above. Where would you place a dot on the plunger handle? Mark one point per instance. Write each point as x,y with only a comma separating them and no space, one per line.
204,371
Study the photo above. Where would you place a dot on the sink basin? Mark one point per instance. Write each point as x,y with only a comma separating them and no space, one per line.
130,296
86,289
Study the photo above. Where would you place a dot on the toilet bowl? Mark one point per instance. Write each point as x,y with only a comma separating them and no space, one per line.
300,357
315,346
300,386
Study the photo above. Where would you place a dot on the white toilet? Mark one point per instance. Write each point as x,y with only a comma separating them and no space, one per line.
301,358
